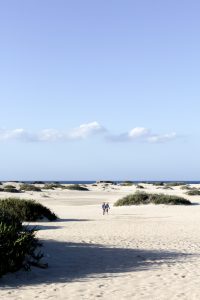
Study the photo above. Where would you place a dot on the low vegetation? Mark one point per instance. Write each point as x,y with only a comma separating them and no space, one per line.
185,187
144,198
9,186
76,187
158,183
26,210
29,187
167,187
52,186
193,192
139,186
175,183
10,189
19,246
127,183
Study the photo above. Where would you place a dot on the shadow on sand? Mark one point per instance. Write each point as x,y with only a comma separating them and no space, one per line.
47,227
73,220
79,261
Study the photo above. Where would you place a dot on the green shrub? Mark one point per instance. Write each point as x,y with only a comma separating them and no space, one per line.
76,187
175,183
127,183
52,186
158,183
138,186
167,188
193,192
11,190
26,210
9,186
18,244
29,187
185,187
144,198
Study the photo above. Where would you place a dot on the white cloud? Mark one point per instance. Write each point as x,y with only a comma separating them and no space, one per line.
162,138
84,131
143,135
138,132
15,134
49,135
52,135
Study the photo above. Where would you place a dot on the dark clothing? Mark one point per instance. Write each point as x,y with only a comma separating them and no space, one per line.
107,207
104,208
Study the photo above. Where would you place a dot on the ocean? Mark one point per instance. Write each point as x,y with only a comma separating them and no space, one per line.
94,181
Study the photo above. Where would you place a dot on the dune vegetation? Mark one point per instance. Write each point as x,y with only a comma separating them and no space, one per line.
127,183
144,198
193,192
174,183
139,186
29,187
52,186
19,246
10,189
76,187
26,210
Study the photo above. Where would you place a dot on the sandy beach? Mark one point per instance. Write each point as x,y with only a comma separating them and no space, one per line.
137,252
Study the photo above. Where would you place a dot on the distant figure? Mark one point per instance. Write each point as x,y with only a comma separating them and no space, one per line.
104,208
107,207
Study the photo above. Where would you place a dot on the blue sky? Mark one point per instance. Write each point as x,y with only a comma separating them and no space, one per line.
99,90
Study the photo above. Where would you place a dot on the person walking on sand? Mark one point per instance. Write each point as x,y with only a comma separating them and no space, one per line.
104,208
107,207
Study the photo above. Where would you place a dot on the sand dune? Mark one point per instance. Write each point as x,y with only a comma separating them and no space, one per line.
140,252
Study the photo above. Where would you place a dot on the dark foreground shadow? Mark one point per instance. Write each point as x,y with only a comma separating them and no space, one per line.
79,261
47,227
42,227
73,220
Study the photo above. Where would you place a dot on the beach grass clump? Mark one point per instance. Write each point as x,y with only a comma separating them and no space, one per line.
186,187
127,183
52,186
14,190
158,183
9,186
167,187
139,186
174,183
76,187
26,210
29,187
10,189
18,244
144,198
193,192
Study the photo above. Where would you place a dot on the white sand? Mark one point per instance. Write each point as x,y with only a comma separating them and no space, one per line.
139,252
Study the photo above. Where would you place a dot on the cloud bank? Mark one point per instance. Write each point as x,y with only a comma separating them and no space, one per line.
85,131
143,135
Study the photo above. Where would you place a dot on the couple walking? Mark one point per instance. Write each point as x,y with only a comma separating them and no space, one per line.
105,208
